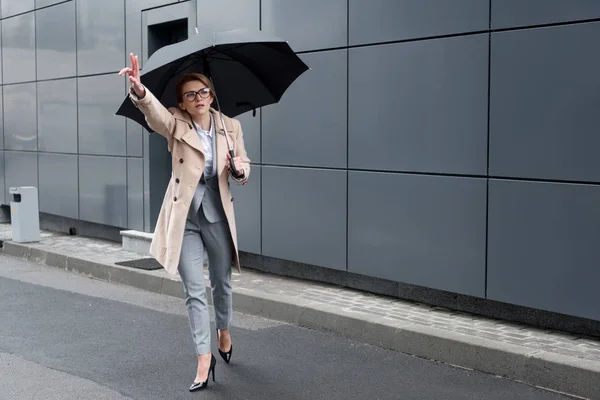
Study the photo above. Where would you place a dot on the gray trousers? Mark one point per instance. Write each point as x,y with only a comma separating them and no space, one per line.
200,233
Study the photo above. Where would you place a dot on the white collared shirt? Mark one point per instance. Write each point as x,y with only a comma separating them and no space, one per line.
206,137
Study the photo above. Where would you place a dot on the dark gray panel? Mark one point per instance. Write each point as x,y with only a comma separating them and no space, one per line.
304,215
100,130
514,13
246,199
422,230
251,129
103,190
388,20
544,116
420,106
13,7
59,183
315,136
20,130
307,24
2,184
55,41
100,36
135,194
543,246
20,169
218,15
18,49
57,116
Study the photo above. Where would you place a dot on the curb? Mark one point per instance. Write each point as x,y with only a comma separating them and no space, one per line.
544,369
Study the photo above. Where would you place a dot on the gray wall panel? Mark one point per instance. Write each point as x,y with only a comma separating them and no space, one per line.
103,190
45,3
134,132
59,183
388,20
217,15
100,36
422,230
1,119
135,138
307,24
1,62
20,128
515,13
543,246
304,215
100,130
420,106
57,116
55,41
246,200
135,194
18,49
133,40
251,129
544,103
316,137
173,12
12,7
3,199
20,169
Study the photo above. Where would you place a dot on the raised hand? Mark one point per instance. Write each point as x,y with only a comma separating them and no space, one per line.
133,74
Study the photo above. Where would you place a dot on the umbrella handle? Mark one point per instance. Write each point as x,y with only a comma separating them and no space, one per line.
234,172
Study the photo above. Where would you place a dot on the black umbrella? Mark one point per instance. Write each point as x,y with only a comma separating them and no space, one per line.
249,69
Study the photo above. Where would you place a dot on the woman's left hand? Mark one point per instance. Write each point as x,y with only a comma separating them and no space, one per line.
237,161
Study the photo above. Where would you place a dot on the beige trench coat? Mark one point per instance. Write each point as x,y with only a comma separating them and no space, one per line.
187,166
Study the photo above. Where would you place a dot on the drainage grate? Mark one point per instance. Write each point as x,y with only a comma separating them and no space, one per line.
143,263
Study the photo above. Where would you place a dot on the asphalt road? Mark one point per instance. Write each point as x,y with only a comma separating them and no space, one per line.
66,337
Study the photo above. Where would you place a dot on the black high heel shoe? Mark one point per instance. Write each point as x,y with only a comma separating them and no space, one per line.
203,385
225,355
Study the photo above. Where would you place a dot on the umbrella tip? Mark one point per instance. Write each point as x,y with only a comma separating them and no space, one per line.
196,28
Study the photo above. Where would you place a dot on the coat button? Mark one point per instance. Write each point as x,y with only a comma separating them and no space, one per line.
176,180
181,160
174,198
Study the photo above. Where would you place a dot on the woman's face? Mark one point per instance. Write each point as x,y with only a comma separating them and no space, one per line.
196,98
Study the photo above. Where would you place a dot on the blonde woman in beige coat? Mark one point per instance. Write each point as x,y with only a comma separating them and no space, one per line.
197,210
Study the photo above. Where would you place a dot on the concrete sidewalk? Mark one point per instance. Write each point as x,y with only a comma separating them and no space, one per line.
553,360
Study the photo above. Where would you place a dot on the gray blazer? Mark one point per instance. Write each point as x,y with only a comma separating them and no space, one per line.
207,194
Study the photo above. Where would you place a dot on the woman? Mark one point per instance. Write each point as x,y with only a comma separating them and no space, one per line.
197,211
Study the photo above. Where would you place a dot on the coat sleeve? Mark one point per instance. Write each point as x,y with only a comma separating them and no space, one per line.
240,151
157,116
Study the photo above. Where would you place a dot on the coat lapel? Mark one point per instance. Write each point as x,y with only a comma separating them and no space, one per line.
191,136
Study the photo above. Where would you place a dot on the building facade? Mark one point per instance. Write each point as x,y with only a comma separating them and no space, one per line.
442,145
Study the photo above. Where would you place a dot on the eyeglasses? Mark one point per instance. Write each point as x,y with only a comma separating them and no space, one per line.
191,96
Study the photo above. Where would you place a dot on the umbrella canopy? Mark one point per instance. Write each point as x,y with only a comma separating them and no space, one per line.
249,69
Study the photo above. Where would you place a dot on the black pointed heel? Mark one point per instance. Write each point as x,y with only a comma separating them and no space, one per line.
203,385
224,355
